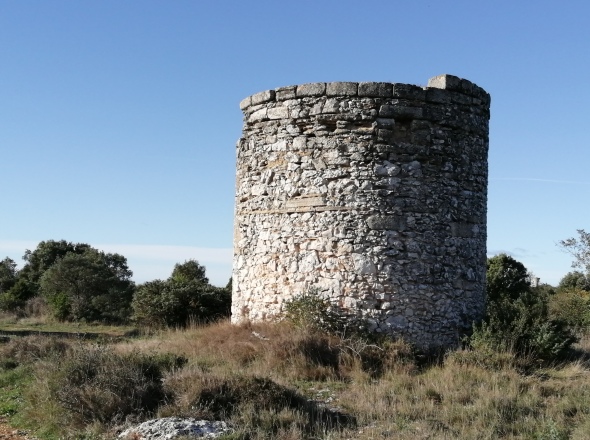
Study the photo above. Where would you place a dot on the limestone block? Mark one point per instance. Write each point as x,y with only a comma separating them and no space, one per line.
448,82
258,115
376,89
341,89
408,91
389,222
311,89
363,264
284,93
278,113
262,97
245,103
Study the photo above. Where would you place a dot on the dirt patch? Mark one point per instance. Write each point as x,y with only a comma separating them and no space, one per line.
7,432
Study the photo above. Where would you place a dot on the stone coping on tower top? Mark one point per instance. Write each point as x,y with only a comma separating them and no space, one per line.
446,82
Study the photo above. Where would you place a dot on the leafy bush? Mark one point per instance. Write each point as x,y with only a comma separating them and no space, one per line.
15,298
173,303
517,317
90,286
572,306
575,280
97,384
310,310
186,295
8,274
249,401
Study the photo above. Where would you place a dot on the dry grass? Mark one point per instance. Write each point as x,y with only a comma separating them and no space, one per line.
11,323
274,381
469,395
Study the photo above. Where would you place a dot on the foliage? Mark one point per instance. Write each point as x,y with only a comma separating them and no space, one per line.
571,306
505,277
579,248
91,286
29,349
45,255
175,302
7,274
15,299
13,292
95,383
310,310
190,270
575,280
517,316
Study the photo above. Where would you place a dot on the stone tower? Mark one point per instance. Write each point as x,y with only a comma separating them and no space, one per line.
373,193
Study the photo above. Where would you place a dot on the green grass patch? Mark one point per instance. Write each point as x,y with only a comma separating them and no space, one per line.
35,326
12,385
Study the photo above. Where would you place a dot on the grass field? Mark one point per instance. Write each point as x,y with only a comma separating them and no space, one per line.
282,382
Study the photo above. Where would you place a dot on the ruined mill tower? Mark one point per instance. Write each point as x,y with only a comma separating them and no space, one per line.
375,194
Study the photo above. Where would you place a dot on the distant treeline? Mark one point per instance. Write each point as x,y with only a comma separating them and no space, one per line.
76,282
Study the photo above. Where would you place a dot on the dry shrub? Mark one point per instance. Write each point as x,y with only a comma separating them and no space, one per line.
249,402
37,307
281,350
28,349
95,384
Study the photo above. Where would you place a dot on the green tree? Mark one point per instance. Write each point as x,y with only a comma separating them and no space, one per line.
190,270
579,248
184,296
517,316
506,276
44,256
91,286
169,303
574,280
8,274
14,291
15,299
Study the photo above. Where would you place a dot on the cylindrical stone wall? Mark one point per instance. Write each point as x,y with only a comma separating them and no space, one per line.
373,193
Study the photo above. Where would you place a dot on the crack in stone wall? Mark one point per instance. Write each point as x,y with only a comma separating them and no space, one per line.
374,193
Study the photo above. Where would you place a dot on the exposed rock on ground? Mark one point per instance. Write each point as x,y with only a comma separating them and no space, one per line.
172,427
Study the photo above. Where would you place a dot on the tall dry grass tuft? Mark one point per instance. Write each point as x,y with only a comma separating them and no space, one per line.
279,350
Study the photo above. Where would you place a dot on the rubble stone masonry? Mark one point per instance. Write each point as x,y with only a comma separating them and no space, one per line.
375,194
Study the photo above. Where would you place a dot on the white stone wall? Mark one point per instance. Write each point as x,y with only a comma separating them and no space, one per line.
374,193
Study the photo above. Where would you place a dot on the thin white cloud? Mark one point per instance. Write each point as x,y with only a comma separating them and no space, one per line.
169,253
532,179
17,246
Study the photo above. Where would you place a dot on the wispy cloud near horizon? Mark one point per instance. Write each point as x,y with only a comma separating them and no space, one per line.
171,253
532,179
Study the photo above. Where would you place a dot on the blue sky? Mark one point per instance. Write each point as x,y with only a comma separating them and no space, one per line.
118,120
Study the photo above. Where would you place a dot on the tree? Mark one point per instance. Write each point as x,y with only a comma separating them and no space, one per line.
44,256
184,296
506,276
92,285
14,291
517,316
8,274
15,299
579,248
170,303
190,270
575,280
